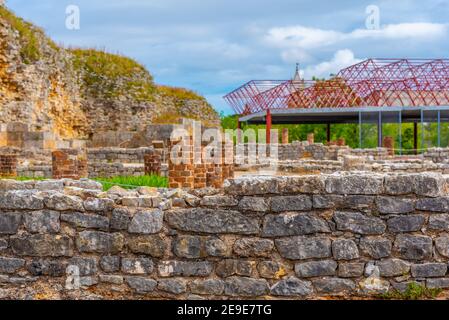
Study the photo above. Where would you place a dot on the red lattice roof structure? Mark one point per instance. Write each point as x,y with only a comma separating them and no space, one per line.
373,83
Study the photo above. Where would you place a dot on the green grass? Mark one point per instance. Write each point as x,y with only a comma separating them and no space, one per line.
414,291
101,63
132,182
179,93
106,69
126,182
27,178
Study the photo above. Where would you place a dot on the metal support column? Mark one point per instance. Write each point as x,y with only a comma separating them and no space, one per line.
422,130
415,137
360,129
268,124
328,133
379,130
400,133
239,132
439,129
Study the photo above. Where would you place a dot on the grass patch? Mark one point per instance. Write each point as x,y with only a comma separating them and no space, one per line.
114,74
132,182
414,291
179,93
26,178
126,182
101,63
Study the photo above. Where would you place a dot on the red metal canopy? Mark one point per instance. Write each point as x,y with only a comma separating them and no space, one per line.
373,83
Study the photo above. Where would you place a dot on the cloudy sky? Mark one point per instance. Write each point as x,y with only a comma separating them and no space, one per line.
214,46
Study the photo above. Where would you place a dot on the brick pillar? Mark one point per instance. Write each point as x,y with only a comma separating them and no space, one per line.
69,163
200,176
153,163
210,174
8,165
341,142
389,144
214,172
311,138
217,179
284,135
228,168
181,175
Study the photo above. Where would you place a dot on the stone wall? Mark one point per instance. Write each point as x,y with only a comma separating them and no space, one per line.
317,151
261,237
297,157
121,155
109,162
437,155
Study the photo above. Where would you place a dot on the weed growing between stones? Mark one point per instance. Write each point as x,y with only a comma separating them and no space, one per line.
414,291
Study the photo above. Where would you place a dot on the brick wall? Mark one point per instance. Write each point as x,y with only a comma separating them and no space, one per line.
69,163
201,175
8,165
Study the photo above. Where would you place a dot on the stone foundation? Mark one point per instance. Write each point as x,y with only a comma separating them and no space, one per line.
299,157
307,237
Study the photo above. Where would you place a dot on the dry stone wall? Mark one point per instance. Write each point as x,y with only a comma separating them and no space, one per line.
110,162
318,151
260,237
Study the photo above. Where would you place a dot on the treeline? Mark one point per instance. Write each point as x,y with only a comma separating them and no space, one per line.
351,133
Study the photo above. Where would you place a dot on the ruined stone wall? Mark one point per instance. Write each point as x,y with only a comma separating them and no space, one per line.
122,155
51,88
109,162
437,155
262,237
317,151
375,153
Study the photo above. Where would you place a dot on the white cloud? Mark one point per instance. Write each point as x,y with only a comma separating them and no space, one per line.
341,59
295,55
216,48
419,30
299,36
309,38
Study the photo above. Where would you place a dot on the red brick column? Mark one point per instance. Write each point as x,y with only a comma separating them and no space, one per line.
152,163
389,144
284,135
69,163
200,176
341,142
8,165
228,168
216,180
311,138
181,175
